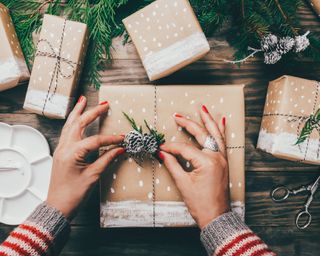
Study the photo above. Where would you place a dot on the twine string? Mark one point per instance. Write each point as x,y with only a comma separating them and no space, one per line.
303,119
57,70
153,160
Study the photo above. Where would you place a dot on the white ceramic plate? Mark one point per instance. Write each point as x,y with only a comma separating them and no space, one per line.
25,169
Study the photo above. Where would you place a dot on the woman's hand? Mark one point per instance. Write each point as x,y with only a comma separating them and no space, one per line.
72,176
205,190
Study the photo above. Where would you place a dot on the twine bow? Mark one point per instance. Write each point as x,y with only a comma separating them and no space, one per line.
57,70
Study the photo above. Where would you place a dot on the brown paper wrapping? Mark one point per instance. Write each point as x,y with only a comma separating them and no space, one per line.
167,36
315,4
127,188
290,96
13,68
47,95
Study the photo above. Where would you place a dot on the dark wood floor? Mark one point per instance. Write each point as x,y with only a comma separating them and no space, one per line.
273,222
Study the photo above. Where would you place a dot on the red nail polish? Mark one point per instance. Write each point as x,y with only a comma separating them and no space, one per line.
161,155
81,98
204,108
103,103
224,121
178,115
121,151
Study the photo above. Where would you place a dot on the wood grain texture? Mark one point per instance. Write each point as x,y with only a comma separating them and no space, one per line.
273,222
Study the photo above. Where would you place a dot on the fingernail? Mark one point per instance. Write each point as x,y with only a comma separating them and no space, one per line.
121,151
224,121
161,155
178,115
123,135
81,98
103,103
204,108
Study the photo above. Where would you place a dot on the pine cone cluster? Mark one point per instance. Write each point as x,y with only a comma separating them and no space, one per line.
136,143
274,47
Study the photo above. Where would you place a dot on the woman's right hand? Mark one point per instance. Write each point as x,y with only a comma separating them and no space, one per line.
205,190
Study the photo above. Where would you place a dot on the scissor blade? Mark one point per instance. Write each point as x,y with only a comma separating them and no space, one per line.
315,185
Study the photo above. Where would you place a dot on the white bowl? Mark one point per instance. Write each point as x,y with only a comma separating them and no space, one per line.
25,170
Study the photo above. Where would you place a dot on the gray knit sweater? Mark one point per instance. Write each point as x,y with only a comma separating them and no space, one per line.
46,231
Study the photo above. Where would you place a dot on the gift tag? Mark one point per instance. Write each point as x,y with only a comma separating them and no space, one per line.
25,169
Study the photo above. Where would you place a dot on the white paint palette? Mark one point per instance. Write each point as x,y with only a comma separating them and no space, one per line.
25,169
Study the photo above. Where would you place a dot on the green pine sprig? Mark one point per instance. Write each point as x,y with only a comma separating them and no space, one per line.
133,123
311,124
159,136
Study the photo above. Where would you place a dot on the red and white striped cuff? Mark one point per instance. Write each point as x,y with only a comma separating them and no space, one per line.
228,235
27,239
45,229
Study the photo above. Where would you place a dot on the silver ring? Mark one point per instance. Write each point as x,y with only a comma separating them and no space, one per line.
211,143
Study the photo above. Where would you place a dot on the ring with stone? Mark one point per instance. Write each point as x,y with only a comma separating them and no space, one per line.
211,143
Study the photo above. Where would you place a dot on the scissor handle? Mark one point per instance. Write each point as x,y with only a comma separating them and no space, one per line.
284,189
307,216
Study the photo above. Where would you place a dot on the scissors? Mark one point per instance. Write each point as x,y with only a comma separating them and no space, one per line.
281,193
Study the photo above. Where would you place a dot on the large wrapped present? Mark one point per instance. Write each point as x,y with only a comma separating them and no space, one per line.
57,66
290,124
167,36
144,194
13,67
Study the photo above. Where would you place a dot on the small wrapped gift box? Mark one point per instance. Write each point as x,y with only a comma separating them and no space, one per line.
57,67
290,124
167,36
13,67
145,195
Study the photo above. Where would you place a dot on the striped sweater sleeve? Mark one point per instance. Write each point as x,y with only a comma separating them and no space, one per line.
229,236
43,233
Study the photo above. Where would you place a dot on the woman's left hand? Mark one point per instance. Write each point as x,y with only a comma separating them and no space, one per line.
72,177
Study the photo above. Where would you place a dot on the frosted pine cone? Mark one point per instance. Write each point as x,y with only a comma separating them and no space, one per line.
271,57
301,43
268,42
133,142
284,45
150,143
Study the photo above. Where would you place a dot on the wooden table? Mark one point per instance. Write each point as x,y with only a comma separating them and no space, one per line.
273,222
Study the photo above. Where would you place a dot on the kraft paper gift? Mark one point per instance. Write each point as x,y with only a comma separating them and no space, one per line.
57,66
13,67
167,36
146,196
315,4
290,104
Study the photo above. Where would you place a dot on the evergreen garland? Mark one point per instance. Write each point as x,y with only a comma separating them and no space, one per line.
251,20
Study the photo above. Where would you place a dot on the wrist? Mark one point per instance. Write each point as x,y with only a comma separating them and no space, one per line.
208,216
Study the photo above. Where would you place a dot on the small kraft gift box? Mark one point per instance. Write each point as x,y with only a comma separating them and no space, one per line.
290,124
167,36
57,66
13,67
144,195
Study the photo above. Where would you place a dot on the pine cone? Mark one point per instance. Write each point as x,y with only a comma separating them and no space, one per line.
301,43
284,45
133,142
150,143
271,57
268,42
